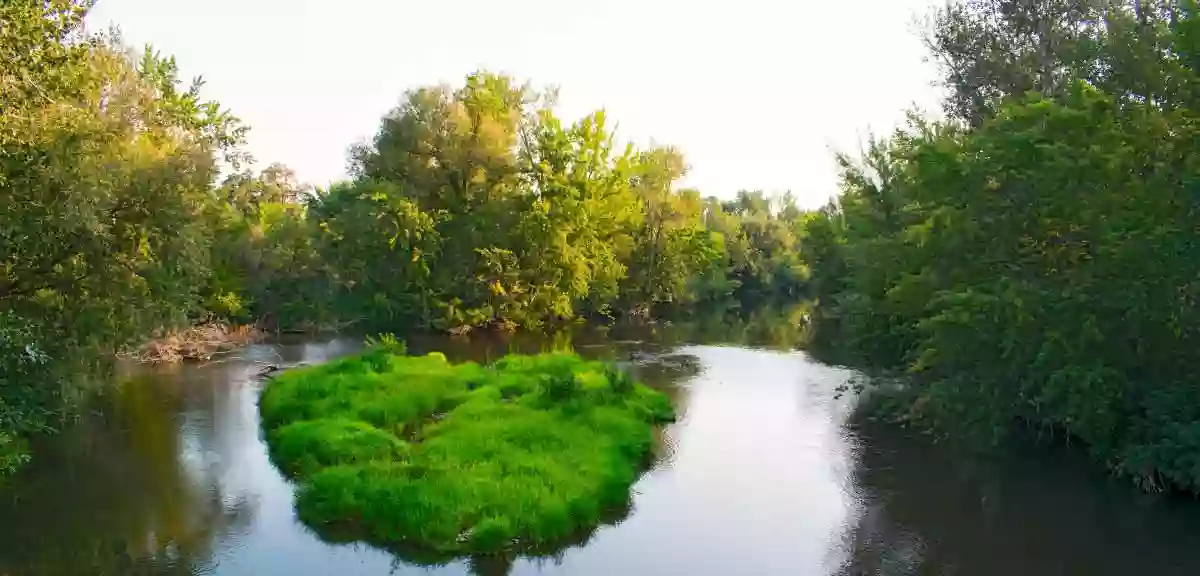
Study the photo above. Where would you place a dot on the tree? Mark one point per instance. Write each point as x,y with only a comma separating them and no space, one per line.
993,50
671,242
1033,259
379,248
105,167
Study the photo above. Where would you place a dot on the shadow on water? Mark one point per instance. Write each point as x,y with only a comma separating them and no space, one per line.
480,565
1032,509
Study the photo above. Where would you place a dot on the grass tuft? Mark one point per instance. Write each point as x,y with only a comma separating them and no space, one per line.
460,459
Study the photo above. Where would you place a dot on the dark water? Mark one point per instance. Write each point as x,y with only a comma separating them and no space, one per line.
761,475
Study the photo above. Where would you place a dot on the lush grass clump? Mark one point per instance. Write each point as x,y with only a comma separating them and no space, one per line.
460,458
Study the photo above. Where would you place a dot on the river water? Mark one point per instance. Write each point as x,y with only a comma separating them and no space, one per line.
762,474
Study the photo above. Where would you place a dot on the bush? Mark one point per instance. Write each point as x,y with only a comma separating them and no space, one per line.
308,445
529,451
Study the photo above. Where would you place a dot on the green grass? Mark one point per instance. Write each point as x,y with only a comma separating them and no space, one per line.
458,459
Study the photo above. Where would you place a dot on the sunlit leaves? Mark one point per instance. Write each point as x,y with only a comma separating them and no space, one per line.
106,168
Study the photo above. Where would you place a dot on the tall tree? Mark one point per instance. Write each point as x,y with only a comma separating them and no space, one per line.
105,166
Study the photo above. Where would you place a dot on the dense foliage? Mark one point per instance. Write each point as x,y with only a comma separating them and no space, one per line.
1034,258
130,209
105,166
477,206
447,459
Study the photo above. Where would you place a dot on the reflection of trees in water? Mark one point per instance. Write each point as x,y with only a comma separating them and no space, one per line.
481,565
920,506
876,546
777,328
933,509
118,492
780,328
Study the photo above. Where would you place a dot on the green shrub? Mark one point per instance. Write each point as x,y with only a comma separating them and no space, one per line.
311,444
529,451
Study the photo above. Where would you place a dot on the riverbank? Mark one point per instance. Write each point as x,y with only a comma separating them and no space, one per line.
201,343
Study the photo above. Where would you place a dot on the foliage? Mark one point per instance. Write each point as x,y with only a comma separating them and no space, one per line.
1035,263
478,206
106,163
460,458
133,212
994,50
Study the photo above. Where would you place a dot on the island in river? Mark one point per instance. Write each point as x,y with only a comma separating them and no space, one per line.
453,459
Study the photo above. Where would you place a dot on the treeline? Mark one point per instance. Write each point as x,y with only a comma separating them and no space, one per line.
477,207
131,208
1035,257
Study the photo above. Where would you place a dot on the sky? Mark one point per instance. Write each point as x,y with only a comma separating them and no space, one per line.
758,94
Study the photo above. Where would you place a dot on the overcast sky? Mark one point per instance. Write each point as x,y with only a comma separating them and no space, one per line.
757,93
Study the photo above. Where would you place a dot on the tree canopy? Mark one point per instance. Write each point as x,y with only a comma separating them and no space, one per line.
1033,258
106,162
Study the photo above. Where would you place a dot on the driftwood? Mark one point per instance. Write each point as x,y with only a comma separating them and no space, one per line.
197,343
266,370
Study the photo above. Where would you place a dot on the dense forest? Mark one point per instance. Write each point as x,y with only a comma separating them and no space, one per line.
1029,258
131,207
1034,259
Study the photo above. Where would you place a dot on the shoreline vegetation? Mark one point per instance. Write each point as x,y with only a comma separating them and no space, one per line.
445,460
1031,260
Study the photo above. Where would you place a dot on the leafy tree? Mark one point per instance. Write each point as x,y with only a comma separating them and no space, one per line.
261,251
1034,263
672,244
993,50
453,154
538,220
105,166
379,247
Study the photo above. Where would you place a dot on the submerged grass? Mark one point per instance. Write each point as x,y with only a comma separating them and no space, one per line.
460,458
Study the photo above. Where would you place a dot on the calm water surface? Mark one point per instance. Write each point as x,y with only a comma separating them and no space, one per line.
761,475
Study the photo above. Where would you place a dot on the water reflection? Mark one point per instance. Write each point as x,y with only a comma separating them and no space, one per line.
406,559
134,487
756,484
1032,509
762,474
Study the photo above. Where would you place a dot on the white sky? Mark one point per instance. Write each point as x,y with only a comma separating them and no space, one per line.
757,93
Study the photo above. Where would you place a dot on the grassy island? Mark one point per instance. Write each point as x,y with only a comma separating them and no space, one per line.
417,452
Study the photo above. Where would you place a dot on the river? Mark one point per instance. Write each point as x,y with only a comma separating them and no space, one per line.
762,474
